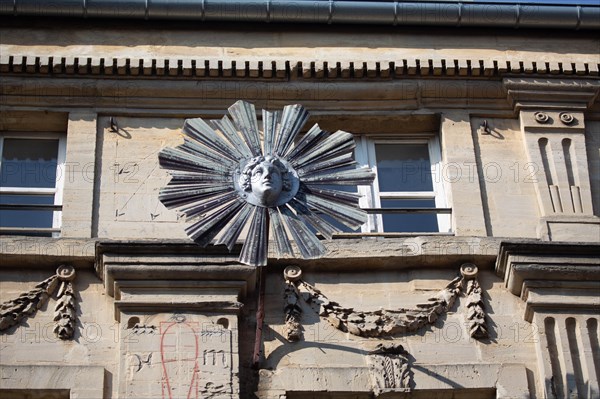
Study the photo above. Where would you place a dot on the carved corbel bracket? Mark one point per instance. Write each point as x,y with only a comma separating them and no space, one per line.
12,312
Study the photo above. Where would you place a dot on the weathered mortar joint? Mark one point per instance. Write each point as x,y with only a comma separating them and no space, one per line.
27,304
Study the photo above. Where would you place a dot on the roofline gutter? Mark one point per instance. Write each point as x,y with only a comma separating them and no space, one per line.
394,13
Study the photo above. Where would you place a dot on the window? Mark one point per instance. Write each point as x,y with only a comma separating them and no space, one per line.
31,183
407,195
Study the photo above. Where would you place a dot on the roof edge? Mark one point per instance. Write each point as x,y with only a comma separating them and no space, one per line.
437,13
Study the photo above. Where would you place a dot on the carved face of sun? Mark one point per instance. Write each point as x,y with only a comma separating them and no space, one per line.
266,181
225,177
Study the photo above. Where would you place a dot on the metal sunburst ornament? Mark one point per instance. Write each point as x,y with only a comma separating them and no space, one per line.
223,178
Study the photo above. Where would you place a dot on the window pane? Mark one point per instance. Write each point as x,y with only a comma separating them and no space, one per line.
26,218
403,167
409,222
29,163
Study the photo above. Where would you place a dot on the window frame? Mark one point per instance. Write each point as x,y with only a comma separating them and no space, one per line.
57,190
371,195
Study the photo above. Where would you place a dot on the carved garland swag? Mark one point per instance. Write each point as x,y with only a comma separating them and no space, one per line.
14,311
383,322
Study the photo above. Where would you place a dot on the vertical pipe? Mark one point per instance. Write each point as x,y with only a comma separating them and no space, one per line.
260,317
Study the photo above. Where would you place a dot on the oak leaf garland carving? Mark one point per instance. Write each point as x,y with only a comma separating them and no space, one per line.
64,312
385,322
12,312
27,304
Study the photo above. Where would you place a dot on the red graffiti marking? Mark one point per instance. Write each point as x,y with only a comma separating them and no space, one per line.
179,352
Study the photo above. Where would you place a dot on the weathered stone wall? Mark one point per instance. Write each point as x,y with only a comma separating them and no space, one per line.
506,179
311,363
33,343
130,179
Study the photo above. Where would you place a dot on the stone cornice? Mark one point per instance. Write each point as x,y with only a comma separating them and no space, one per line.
288,69
547,93
551,275
551,261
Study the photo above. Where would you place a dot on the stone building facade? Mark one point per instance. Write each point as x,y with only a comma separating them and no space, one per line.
490,289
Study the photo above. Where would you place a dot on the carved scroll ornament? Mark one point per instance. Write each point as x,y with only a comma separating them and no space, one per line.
385,322
27,304
228,174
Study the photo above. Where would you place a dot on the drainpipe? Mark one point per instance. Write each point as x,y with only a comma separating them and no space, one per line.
556,14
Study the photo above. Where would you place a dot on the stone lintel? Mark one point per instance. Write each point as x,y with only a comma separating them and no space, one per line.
80,381
443,381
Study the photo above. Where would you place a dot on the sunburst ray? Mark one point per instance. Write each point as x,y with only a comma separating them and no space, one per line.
181,178
207,205
235,227
225,126
320,224
344,160
177,196
200,131
282,242
193,147
334,145
344,177
346,197
207,228
307,142
270,122
177,159
345,214
244,116
254,251
309,245
292,119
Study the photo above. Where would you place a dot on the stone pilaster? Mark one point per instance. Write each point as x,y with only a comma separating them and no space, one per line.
559,284
552,119
79,175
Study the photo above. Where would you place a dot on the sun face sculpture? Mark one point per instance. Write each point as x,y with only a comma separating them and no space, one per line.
228,174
